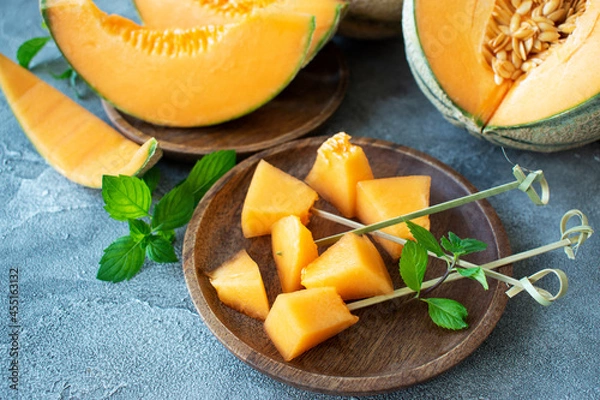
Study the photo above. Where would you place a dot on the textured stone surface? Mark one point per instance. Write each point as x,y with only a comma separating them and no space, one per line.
84,339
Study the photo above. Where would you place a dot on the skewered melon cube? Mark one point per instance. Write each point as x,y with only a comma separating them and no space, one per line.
272,195
300,320
239,285
339,166
293,248
381,199
353,266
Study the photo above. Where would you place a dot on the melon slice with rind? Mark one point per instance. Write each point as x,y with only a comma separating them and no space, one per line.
75,142
181,77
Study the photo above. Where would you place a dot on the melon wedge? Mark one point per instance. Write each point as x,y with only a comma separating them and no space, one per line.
194,77
272,195
339,166
239,285
386,198
165,14
73,141
293,249
299,321
353,266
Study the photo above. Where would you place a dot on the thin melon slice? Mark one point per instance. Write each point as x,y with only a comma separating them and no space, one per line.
293,249
73,141
339,166
353,266
165,14
272,195
386,198
517,73
193,77
239,285
299,321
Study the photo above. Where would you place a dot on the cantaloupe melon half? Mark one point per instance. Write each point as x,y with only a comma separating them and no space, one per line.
74,141
462,54
184,14
199,76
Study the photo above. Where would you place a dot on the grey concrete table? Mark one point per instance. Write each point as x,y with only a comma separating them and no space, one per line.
80,338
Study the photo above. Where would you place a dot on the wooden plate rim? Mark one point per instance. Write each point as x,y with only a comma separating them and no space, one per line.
343,385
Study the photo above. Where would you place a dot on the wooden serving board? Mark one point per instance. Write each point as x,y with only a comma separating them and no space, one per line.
394,344
310,99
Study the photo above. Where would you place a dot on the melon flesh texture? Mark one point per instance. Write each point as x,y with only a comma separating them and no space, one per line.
382,199
353,266
552,107
165,14
339,166
239,285
194,77
272,195
299,321
72,140
293,249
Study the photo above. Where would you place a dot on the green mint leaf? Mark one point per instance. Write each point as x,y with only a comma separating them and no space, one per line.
121,260
472,246
413,264
460,247
175,209
151,178
161,250
425,238
138,229
29,49
168,235
475,273
64,75
447,313
208,170
126,197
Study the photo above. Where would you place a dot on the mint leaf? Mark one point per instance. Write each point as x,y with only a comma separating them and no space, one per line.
160,250
121,260
151,178
67,74
168,235
475,273
138,229
208,170
29,49
460,247
413,264
126,197
447,313
425,238
174,210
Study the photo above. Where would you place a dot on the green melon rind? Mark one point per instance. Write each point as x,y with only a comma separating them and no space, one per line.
340,11
426,80
44,9
154,154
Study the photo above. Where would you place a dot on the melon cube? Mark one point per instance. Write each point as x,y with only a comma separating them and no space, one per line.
353,266
293,248
339,166
272,195
298,321
239,285
382,199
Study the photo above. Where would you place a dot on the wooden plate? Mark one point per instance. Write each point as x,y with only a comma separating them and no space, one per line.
394,344
311,98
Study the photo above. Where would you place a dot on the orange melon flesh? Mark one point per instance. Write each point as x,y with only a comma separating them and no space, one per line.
200,76
272,195
165,14
353,266
73,141
562,81
293,248
339,166
382,199
451,33
299,321
239,285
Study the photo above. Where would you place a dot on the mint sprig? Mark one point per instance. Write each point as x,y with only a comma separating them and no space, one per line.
152,231
446,313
